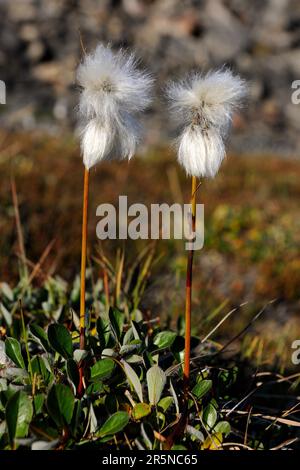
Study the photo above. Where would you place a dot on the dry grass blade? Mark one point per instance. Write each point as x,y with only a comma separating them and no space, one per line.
106,288
174,183
236,445
286,443
104,262
19,227
288,422
222,321
119,274
256,317
34,272
143,277
247,425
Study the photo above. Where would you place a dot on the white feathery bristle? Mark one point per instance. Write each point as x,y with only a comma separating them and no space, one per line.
96,142
201,154
101,142
113,92
203,105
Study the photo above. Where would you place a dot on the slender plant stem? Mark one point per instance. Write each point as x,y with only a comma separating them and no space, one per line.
188,297
83,257
179,428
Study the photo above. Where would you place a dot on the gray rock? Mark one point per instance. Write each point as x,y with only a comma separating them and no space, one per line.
40,49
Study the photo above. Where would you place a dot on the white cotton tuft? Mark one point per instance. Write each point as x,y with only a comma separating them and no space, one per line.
203,106
200,154
96,142
102,142
113,92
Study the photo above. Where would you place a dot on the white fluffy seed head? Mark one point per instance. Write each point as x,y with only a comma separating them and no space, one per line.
102,142
113,92
201,154
203,106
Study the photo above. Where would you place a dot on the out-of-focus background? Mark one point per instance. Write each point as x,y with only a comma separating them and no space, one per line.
40,50
251,251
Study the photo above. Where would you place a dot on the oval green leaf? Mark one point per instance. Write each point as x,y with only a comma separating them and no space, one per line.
60,340
210,416
60,404
164,339
13,351
133,379
156,381
73,372
116,319
202,388
40,335
114,424
223,427
165,403
102,369
18,414
140,411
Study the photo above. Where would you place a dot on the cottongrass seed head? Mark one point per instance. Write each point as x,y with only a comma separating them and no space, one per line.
203,106
113,92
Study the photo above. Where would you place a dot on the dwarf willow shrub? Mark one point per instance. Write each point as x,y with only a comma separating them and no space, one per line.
131,396
125,390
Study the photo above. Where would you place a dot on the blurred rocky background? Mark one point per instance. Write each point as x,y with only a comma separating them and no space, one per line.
40,49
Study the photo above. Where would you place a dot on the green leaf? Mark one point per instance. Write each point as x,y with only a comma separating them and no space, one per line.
210,416
60,340
223,427
116,319
102,369
202,388
128,349
5,395
165,403
6,291
164,339
6,314
156,380
60,404
40,334
18,415
114,424
103,331
134,359
133,379
13,351
73,372
79,355
38,402
140,411
137,332
95,388
195,433
128,336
